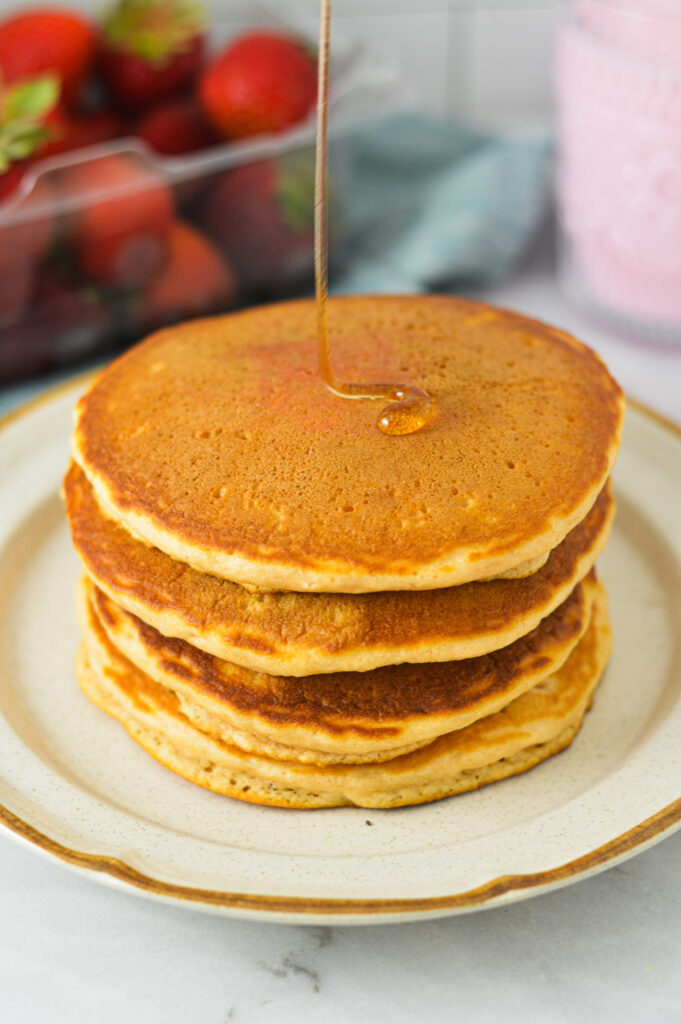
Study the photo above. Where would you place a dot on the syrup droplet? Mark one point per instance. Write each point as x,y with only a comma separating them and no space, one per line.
410,407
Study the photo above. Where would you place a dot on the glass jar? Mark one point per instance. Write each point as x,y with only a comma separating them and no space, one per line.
618,90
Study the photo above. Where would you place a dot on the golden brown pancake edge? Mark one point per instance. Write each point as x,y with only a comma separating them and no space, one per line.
537,724
352,712
305,634
257,474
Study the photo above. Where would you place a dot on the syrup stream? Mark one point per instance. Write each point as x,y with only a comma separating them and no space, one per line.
410,407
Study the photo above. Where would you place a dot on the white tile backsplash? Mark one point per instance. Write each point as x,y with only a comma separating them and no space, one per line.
487,61
420,44
457,79
509,67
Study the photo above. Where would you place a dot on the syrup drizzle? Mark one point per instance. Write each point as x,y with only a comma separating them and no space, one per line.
410,407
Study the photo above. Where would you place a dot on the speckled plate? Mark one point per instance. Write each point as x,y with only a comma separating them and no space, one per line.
74,786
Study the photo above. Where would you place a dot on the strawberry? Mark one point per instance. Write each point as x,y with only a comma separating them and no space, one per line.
24,349
55,124
151,49
85,130
12,178
263,82
33,122
121,221
261,215
80,319
64,323
47,40
29,118
16,282
195,281
27,225
176,127
27,230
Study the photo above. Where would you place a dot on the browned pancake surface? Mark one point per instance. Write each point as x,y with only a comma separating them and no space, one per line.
352,711
217,441
537,724
300,634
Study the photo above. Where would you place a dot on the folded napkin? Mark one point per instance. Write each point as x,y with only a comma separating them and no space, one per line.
430,205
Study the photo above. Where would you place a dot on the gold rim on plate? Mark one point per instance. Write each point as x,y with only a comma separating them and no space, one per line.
653,828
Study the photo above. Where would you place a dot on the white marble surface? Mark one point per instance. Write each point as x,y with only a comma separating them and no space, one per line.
599,951
604,950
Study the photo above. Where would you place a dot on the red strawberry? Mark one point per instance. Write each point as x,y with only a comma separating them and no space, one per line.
26,233
24,349
64,323
55,124
29,118
47,40
151,49
195,281
176,127
85,130
264,82
27,222
122,219
11,179
51,131
79,319
261,215
16,282
28,225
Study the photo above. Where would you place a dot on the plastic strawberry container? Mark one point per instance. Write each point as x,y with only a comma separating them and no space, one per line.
102,245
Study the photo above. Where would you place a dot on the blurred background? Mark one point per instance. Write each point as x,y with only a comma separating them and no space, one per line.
528,153
486,60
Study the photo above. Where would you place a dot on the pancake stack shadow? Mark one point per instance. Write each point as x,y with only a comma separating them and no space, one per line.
285,606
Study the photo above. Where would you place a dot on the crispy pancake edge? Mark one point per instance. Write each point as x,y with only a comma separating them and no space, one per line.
274,556
306,634
428,774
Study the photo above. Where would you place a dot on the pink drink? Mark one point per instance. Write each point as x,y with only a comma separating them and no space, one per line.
618,80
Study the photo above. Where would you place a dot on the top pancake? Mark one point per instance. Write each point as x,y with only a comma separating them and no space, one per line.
217,442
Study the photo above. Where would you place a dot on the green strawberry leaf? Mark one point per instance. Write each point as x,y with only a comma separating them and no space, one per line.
296,190
31,100
22,109
154,30
18,142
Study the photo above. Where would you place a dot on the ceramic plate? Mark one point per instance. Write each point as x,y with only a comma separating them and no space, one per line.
75,786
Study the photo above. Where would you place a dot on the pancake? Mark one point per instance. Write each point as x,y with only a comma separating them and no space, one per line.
305,634
532,727
519,572
351,714
217,442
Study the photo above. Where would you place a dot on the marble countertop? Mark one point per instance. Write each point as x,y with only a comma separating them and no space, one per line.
603,950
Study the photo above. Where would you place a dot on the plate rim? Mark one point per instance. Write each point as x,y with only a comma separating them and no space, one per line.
269,906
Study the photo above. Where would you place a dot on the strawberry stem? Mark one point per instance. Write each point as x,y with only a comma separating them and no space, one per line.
22,108
154,30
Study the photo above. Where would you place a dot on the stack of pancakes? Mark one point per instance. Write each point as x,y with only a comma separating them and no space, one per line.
287,606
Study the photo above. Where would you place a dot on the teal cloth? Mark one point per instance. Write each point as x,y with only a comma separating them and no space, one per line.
429,205
426,205
14,395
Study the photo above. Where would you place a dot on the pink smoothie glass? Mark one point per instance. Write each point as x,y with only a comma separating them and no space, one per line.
618,88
